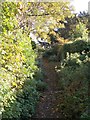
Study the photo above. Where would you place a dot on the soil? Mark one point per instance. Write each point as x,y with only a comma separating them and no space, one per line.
48,106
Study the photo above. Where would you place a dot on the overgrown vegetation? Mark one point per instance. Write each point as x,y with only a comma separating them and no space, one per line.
73,73
18,94
74,79
21,79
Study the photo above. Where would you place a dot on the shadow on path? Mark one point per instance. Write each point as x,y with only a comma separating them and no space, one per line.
48,104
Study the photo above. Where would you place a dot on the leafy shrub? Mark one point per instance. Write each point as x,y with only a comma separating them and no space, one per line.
75,60
23,106
79,32
18,95
41,86
73,106
48,53
74,81
52,53
53,58
73,77
80,46
76,46
33,45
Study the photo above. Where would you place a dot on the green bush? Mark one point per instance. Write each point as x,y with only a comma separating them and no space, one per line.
79,32
73,81
41,86
73,75
33,45
18,95
48,53
76,46
53,58
73,106
75,60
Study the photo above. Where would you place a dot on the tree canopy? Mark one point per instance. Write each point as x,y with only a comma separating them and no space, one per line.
42,17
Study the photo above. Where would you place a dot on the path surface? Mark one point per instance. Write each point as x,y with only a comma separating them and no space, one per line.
48,106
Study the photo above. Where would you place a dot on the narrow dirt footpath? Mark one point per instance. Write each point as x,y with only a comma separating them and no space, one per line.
48,106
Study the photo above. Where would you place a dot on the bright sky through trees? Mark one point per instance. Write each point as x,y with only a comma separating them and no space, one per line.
80,5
